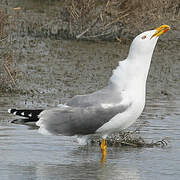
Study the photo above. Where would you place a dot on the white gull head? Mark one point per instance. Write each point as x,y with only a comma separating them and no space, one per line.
136,65
143,45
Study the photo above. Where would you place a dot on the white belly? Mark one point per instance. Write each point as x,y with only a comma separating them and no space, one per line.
123,120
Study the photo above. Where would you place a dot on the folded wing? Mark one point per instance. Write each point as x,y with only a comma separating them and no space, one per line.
70,121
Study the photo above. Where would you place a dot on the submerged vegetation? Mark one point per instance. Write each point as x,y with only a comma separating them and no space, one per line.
127,138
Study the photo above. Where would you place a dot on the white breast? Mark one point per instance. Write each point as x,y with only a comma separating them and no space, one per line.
124,120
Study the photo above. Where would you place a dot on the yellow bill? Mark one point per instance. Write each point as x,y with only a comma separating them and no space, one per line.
161,30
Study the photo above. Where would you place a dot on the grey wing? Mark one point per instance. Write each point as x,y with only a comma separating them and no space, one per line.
108,95
77,121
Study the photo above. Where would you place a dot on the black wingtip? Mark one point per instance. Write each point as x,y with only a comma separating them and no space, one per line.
31,115
12,111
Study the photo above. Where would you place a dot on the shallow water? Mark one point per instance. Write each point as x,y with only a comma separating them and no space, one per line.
54,70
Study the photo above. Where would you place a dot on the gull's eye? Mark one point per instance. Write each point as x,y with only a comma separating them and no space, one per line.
143,37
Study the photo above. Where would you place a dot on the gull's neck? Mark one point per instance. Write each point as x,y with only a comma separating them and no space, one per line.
139,65
132,72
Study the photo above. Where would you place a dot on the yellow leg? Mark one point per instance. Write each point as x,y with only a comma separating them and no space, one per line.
103,150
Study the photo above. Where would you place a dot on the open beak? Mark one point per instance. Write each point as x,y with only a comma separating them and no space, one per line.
161,30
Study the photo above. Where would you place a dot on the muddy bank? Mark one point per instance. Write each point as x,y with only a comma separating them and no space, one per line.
93,19
35,34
